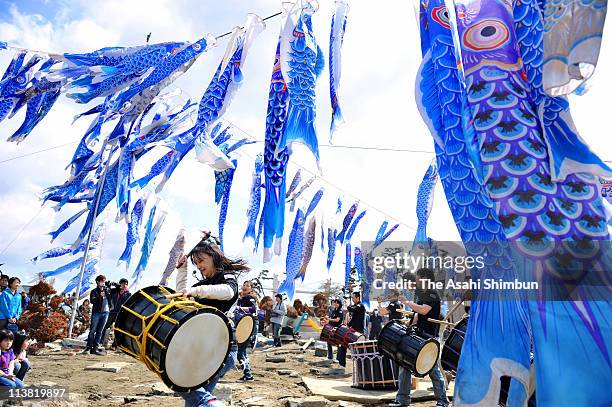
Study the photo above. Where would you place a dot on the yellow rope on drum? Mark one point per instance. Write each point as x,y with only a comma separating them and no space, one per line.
149,321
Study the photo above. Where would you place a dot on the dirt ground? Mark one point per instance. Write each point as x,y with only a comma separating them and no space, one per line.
133,384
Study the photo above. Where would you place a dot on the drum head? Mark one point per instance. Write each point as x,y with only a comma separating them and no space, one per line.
427,358
197,351
244,329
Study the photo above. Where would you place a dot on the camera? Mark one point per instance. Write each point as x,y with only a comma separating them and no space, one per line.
111,284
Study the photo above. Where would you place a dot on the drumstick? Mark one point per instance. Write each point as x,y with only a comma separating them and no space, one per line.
453,308
437,321
175,295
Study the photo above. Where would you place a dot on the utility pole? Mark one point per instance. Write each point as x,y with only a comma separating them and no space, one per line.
89,236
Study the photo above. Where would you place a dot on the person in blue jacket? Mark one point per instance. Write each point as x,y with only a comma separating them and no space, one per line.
10,305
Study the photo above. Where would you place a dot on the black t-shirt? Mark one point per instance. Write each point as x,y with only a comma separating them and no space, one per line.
376,321
357,312
432,299
221,277
336,313
393,308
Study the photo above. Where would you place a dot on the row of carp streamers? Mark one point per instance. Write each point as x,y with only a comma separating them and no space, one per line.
143,115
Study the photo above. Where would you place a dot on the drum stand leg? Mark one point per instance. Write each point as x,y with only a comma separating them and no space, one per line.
369,358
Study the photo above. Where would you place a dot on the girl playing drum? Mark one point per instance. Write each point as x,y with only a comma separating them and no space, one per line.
218,288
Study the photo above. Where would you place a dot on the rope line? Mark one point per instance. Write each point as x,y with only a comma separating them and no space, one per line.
353,147
329,182
23,228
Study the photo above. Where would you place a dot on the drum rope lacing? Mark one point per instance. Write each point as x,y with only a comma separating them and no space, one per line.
371,357
146,325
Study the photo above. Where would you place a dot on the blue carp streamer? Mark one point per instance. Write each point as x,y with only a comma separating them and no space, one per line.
275,162
295,250
254,199
151,232
425,196
507,193
141,116
336,38
302,61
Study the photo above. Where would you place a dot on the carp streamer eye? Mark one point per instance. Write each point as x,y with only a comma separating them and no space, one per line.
197,46
440,16
486,35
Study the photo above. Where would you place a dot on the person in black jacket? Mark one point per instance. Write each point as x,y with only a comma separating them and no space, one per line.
356,320
247,305
336,316
394,307
101,305
218,288
427,306
118,297
375,324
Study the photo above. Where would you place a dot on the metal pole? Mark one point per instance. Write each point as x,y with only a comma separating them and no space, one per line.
89,236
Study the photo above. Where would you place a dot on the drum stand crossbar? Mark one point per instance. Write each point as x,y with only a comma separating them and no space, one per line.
148,322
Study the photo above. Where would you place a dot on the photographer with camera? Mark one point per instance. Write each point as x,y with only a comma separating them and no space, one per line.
118,296
101,305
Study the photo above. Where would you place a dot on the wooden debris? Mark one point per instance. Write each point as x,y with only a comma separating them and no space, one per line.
275,359
307,344
113,367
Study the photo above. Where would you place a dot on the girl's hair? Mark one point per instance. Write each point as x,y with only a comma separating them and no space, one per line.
264,301
279,296
254,292
6,334
13,279
210,245
18,342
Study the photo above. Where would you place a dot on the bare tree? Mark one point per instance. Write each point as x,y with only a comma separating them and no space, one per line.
331,289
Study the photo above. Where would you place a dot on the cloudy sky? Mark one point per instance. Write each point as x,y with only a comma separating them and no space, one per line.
380,60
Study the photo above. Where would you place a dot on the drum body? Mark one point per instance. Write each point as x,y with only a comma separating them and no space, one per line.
371,370
184,342
328,334
452,347
409,348
245,327
345,335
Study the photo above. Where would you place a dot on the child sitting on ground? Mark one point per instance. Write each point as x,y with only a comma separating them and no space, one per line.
20,347
7,361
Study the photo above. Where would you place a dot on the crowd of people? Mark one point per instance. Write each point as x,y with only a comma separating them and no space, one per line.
218,287
14,342
96,313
